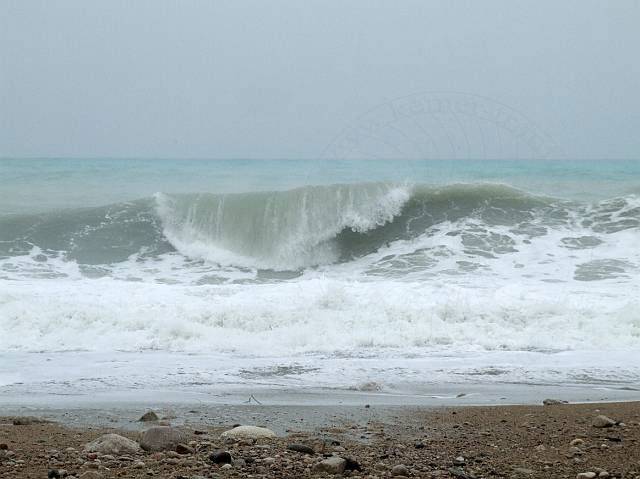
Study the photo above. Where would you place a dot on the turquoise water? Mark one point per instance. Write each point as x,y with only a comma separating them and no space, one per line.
33,185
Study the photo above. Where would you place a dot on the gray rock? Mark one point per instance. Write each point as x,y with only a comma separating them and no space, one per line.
586,475
603,421
400,470
113,444
248,432
553,402
332,465
459,461
163,438
149,416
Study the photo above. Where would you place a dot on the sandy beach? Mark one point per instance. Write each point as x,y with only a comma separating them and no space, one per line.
551,441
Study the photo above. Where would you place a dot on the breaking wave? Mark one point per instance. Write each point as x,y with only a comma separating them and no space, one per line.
311,226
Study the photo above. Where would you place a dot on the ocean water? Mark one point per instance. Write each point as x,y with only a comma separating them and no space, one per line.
391,276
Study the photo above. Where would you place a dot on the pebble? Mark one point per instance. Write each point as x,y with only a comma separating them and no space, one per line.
301,448
184,449
248,432
459,461
400,470
577,442
332,465
112,444
553,402
586,475
603,421
524,471
90,475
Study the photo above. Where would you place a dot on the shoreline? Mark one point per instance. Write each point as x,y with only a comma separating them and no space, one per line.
556,441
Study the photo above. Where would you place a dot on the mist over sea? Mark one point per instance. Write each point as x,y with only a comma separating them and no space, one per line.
198,274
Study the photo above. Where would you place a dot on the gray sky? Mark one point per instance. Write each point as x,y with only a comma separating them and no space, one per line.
280,79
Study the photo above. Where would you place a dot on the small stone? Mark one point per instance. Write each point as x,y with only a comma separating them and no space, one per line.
90,475
269,460
54,474
400,470
523,471
459,461
419,445
541,448
184,449
4,447
220,457
603,421
301,448
112,444
149,416
553,402
577,442
586,475
248,432
575,451
226,466
604,474
138,465
332,465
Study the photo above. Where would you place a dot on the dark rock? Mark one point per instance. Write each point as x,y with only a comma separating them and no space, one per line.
352,465
149,417
53,474
221,457
301,448
553,402
419,445
184,449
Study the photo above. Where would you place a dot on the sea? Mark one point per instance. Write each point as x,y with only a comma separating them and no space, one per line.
394,277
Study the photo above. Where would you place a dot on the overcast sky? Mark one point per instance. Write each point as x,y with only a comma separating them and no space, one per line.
280,79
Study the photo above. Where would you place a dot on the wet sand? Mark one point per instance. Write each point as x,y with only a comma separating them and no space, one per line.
557,441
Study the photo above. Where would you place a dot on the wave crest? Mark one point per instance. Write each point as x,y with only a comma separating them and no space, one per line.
279,230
